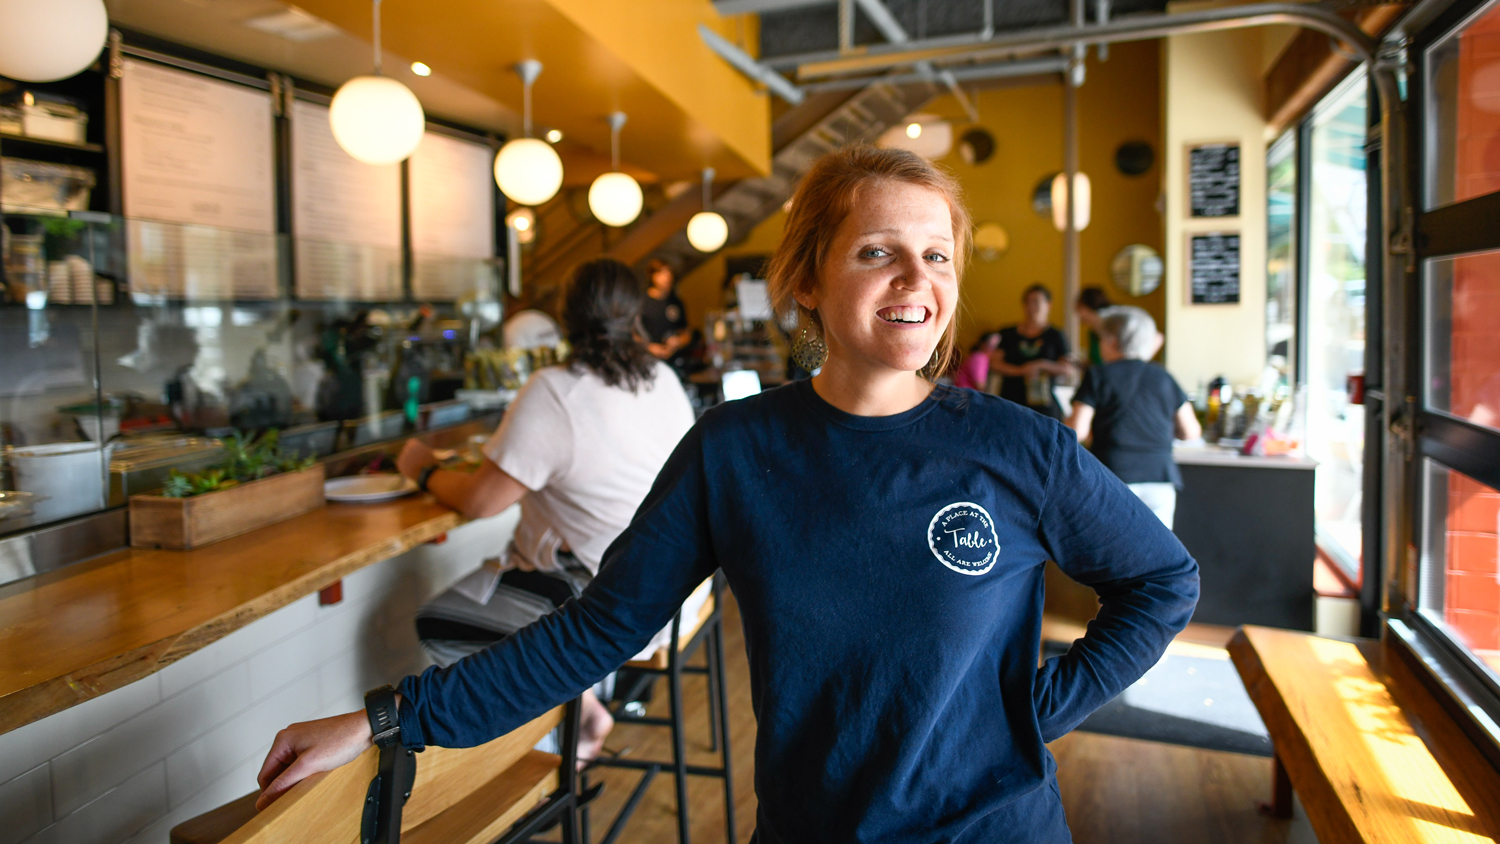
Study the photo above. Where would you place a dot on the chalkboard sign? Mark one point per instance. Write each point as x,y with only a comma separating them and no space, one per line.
1214,268
1214,180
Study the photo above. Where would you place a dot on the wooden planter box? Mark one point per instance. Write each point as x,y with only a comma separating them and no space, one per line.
180,523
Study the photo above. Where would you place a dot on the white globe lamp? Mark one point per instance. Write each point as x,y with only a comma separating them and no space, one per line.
376,119
528,170
615,197
47,40
707,231
1060,201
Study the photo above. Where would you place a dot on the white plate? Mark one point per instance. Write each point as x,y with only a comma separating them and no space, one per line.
361,488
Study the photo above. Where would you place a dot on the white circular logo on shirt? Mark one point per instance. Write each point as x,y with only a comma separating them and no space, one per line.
962,537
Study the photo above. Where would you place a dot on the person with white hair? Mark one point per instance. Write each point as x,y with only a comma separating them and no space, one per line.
1134,408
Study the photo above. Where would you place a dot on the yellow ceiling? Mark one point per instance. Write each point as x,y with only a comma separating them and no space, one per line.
687,109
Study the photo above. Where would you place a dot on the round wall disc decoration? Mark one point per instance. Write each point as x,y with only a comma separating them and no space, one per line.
1134,157
976,146
1137,269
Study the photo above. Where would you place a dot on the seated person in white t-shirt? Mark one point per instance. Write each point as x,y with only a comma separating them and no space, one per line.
579,449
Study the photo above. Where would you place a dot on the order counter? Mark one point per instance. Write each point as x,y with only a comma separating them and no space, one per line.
1249,523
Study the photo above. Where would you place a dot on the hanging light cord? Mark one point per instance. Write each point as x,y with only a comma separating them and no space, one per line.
526,108
377,37
614,146
708,186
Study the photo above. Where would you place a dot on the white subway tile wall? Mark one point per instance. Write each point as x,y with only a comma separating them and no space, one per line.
130,765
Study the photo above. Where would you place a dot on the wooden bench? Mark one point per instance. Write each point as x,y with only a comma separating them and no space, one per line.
461,796
1350,751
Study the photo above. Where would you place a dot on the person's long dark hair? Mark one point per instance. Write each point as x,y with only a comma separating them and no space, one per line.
601,304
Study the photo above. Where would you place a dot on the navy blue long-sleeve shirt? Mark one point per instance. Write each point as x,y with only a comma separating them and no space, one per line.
889,574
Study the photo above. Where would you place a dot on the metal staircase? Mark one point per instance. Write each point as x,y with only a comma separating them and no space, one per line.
861,118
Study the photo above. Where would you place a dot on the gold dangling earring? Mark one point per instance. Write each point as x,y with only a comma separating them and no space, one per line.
809,351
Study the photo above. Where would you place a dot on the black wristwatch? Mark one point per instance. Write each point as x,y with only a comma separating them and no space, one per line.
385,718
425,475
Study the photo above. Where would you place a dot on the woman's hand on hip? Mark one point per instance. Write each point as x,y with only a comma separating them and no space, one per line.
415,456
308,748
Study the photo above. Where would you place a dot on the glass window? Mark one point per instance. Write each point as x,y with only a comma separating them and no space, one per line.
1281,253
1463,121
1463,337
1335,319
1460,589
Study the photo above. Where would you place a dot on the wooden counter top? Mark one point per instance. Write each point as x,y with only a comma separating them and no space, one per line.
74,634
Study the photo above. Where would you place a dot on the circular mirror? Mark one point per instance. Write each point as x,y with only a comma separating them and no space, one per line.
1134,157
1041,196
1137,269
990,241
976,146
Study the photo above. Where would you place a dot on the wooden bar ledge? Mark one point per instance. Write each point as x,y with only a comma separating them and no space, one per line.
1351,753
76,633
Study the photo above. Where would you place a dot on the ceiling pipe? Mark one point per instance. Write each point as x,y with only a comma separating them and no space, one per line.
998,70
893,32
742,61
879,57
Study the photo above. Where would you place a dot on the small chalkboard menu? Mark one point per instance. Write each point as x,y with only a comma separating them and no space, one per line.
1214,268
1214,180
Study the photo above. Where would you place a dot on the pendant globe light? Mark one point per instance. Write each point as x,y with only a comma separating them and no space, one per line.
528,170
45,42
707,231
615,197
376,119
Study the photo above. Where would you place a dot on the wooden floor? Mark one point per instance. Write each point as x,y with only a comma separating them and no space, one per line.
1116,791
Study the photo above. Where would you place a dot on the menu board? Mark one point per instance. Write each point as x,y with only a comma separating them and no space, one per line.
346,216
452,198
1214,180
1214,268
198,173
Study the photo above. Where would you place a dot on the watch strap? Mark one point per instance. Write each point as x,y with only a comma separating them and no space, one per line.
385,718
425,475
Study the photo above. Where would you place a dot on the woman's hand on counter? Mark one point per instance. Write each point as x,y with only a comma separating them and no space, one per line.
415,456
308,748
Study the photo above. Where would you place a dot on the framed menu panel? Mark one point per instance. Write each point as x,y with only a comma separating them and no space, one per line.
452,206
346,216
1214,268
1214,180
198,174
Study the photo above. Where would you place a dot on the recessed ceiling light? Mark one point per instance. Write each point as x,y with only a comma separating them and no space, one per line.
293,25
421,69
553,136
914,131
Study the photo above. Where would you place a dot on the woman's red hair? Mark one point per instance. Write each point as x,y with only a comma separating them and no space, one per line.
826,197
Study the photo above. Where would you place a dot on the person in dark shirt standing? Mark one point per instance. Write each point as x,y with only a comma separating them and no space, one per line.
663,318
1032,355
885,538
1134,408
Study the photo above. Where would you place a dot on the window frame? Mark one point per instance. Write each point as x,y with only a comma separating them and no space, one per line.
1365,571
1469,690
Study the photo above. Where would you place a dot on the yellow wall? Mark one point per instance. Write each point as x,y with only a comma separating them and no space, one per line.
1118,103
1212,91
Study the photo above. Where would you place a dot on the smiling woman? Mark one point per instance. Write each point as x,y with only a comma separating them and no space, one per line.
885,539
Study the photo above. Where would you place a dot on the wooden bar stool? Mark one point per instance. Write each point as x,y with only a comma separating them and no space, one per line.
501,792
670,661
